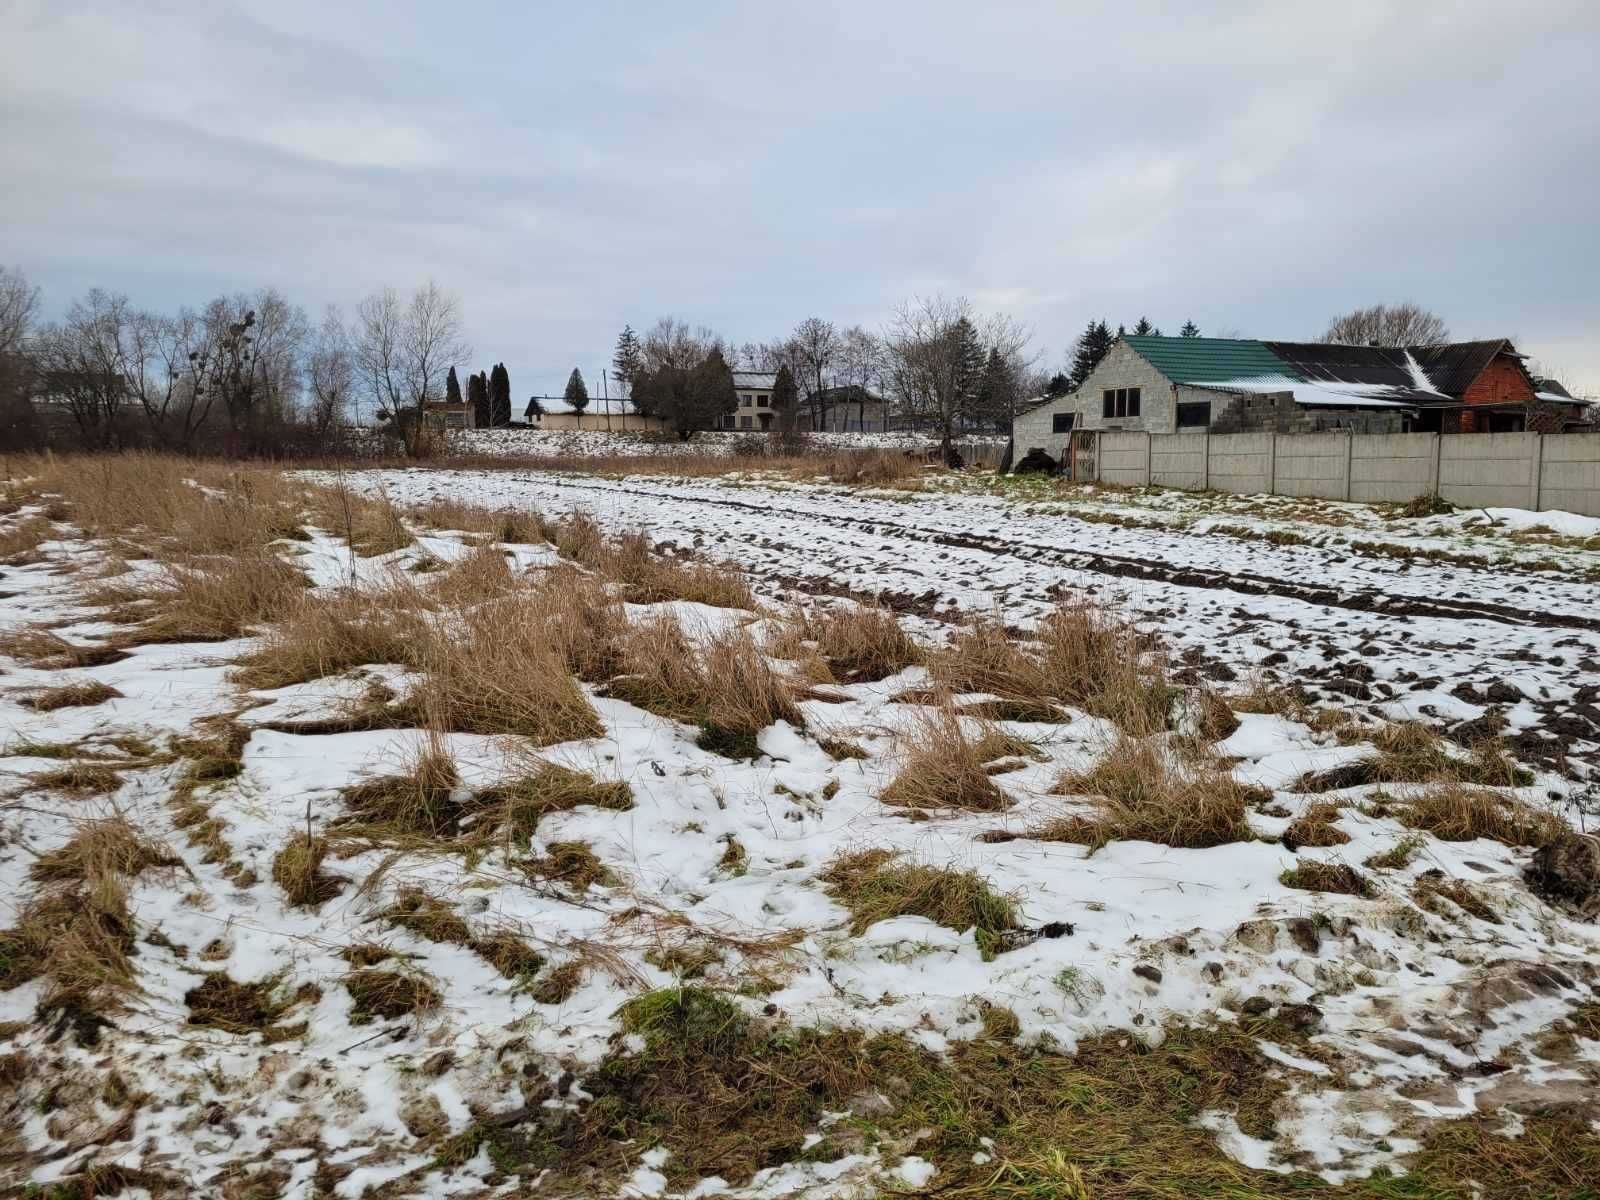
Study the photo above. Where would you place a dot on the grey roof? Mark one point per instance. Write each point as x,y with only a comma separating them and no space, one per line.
755,379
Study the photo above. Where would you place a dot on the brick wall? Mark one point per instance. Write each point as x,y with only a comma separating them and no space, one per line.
1278,413
1503,381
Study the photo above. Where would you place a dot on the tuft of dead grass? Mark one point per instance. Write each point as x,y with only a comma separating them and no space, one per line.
861,643
1317,826
1146,796
297,869
428,917
422,798
518,805
371,525
1310,876
51,652
79,779
328,635
1410,752
385,995
72,695
942,766
100,850
1454,812
217,599
723,684
572,863
221,1002
874,886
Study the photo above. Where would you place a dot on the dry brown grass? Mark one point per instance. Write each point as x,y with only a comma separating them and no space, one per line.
388,995
328,635
646,574
875,887
861,643
79,779
1145,796
482,574
1310,876
421,798
297,869
723,684
72,695
572,863
517,806
20,541
1410,752
1080,655
1317,826
216,599
870,468
371,525
50,651
942,766
490,670
1455,812
429,917
76,930
582,622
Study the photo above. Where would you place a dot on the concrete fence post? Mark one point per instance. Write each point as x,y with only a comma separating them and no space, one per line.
1099,458
1149,454
1436,479
1535,472
1205,461
1272,464
1349,455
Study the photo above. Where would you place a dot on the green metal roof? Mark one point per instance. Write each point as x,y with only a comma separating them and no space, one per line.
1209,360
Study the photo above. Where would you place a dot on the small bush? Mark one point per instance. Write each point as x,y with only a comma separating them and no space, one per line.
874,887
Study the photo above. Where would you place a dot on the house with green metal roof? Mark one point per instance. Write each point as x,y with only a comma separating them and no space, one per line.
1159,384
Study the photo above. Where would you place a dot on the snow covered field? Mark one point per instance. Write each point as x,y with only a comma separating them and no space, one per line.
1442,993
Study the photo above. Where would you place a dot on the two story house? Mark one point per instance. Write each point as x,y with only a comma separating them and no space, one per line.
754,412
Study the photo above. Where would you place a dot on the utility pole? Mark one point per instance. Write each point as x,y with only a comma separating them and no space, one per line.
605,398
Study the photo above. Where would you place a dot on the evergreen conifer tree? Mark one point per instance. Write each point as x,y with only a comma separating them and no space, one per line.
1091,347
478,397
1144,327
1190,329
499,396
577,394
452,388
628,361
786,400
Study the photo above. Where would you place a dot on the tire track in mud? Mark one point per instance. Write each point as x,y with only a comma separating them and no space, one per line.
1357,599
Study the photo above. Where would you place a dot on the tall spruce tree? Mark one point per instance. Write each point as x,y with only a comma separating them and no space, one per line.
969,365
452,388
577,394
1059,385
499,396
478,397
628,361
1091,347
1190,329
993,403
1144,327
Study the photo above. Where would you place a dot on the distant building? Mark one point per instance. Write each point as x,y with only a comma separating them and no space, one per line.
851,409
1233,385
754,410
602,415
444,415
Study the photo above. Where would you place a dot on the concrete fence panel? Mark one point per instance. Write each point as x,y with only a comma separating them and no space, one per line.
1570,475
1393,467
1314,464
1179,461
1241,462
1124,458
1488,470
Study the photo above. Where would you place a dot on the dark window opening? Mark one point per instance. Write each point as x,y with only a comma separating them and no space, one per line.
1119,402
1061,422
1194,416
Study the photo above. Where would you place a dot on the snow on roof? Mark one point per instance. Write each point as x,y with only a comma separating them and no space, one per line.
755,379
1323,394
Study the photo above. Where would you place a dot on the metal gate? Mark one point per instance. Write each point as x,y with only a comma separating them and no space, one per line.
1082,454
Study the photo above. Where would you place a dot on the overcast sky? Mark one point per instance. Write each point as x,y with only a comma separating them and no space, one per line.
567,168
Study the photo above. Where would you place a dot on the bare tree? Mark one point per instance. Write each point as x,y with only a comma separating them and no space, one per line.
330,372
19,305
404,350
671,343
1388,325
927,360
860,370
82,365
816,346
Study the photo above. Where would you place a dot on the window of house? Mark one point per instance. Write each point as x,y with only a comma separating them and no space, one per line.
1119,402
745,423
761,401
1194,416
746,400
1061,422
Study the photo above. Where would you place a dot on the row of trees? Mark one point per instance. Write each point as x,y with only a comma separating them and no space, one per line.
251,370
